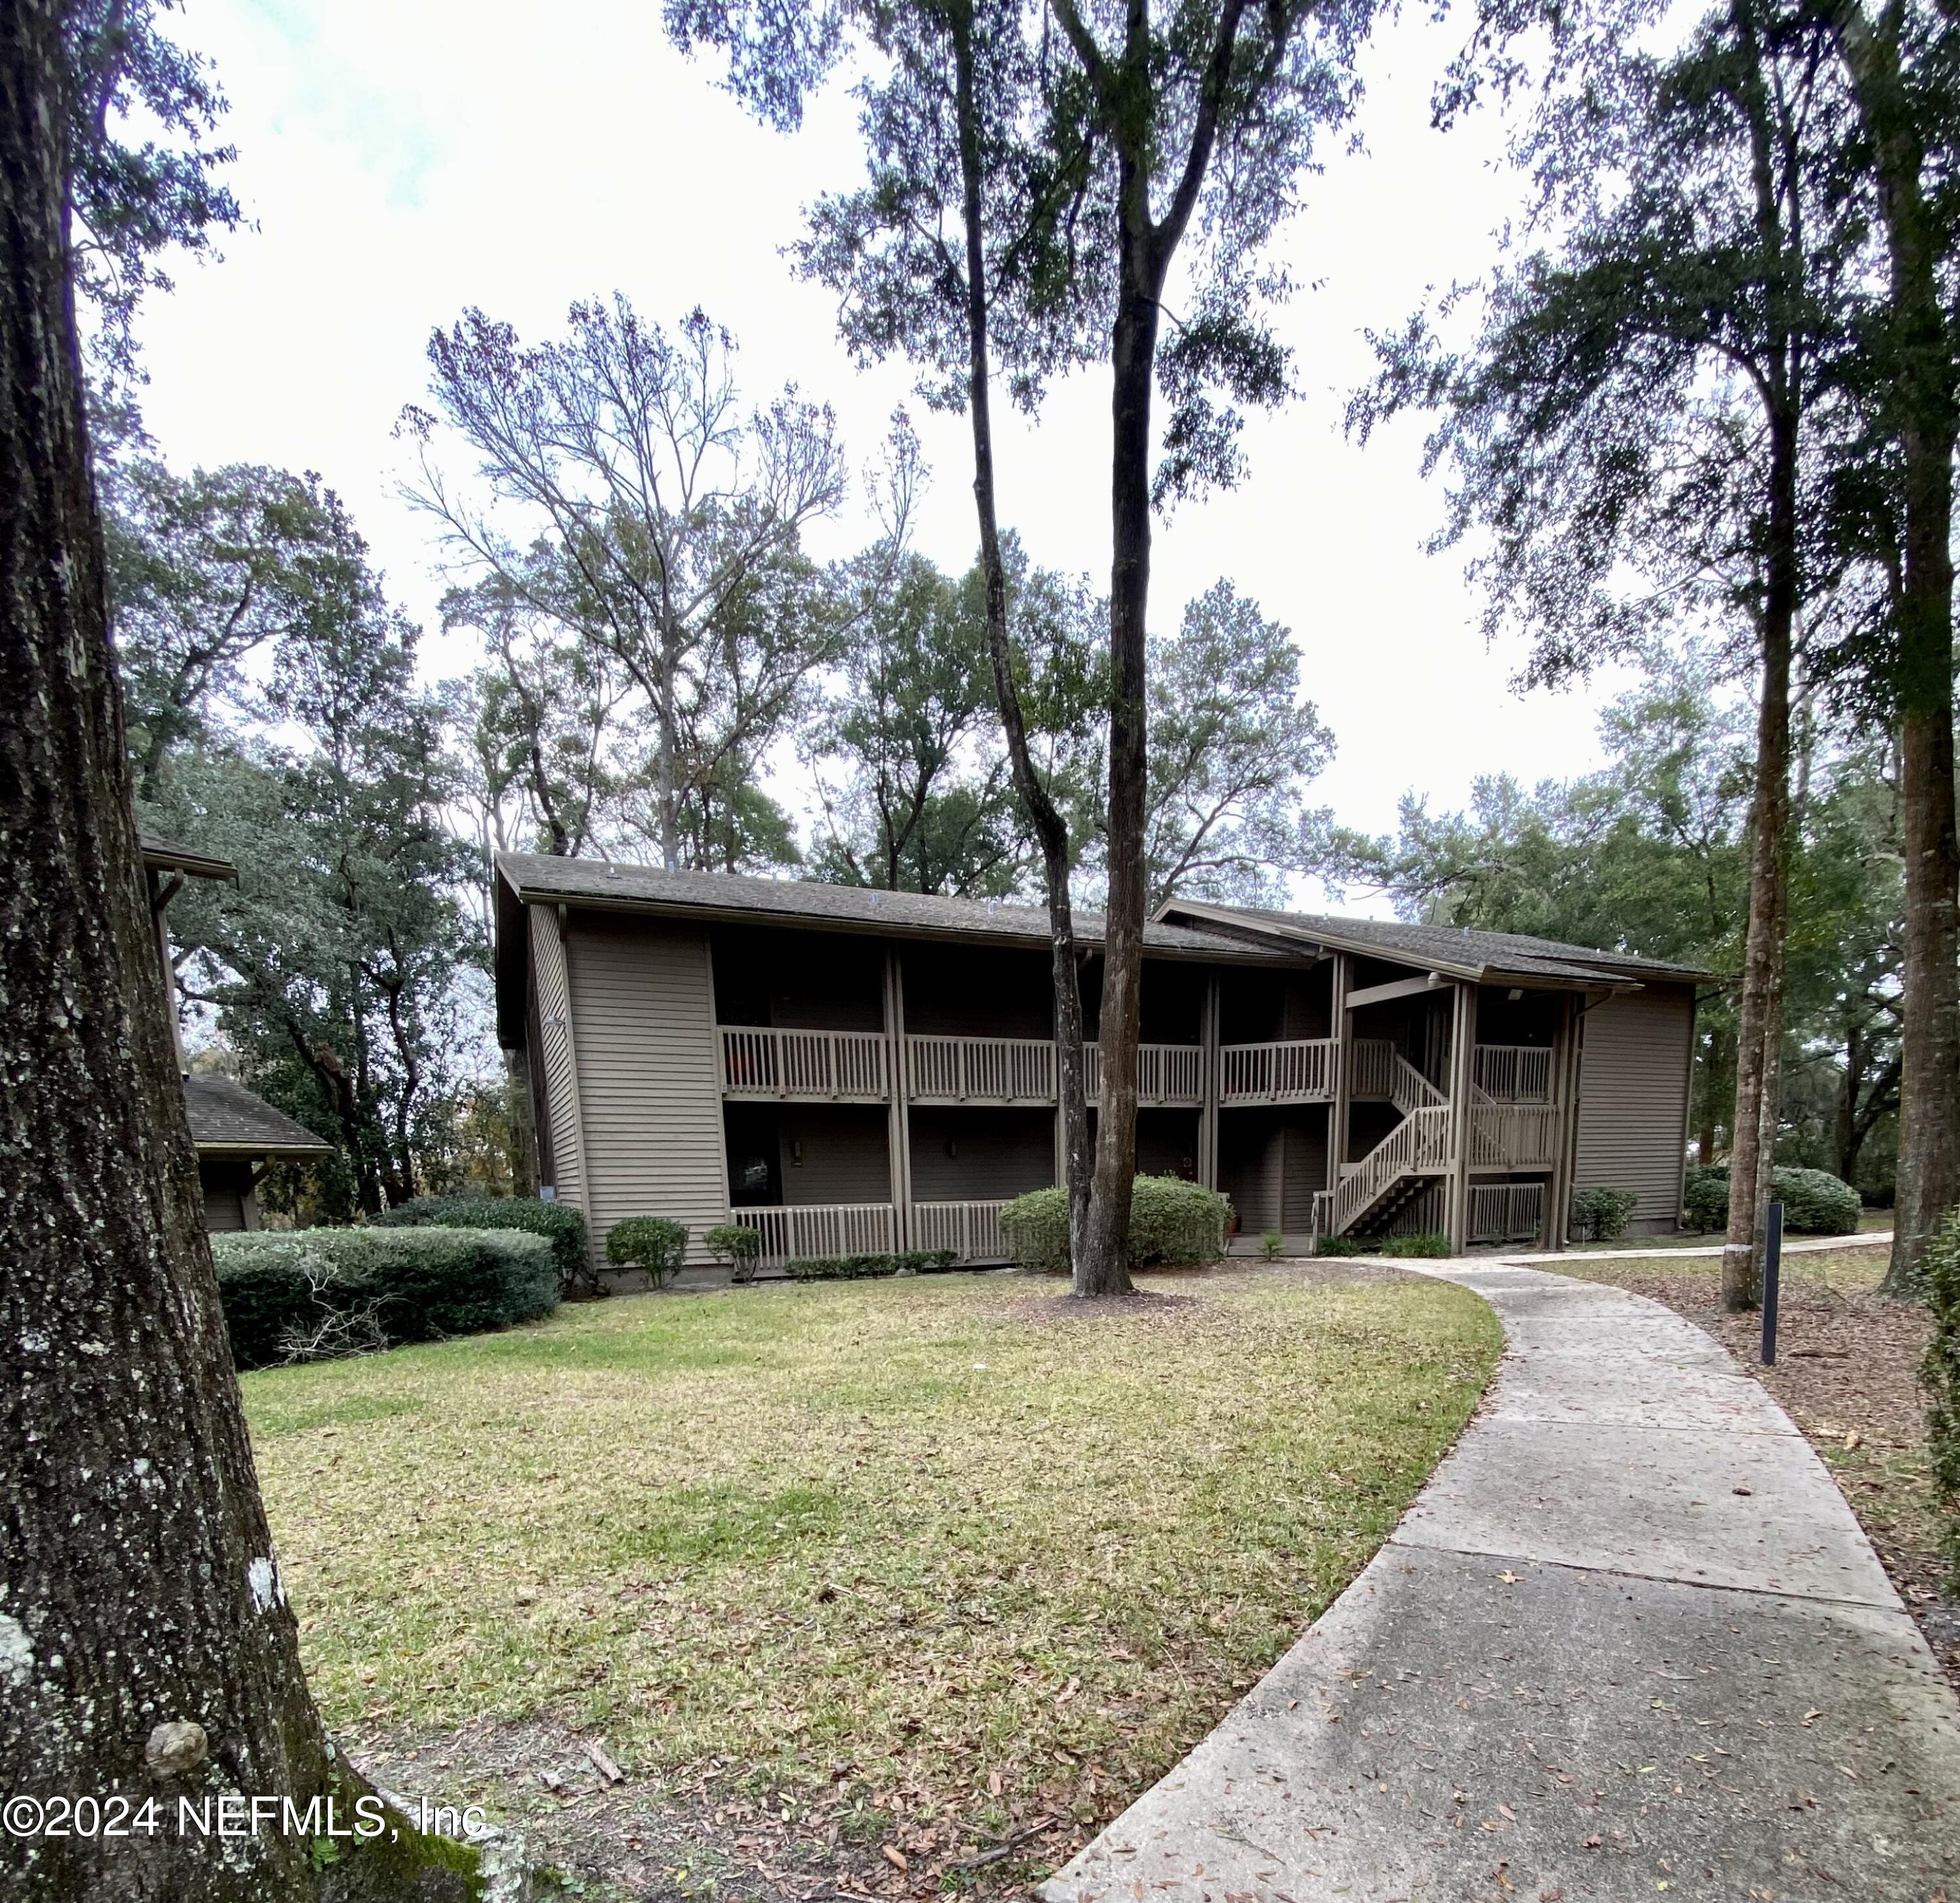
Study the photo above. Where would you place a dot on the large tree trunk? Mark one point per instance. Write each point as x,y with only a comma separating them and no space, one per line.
141,1589
1924,414
1102,1270
1051,829
1758,1038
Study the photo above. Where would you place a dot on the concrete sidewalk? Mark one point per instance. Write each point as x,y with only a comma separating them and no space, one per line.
1628,1643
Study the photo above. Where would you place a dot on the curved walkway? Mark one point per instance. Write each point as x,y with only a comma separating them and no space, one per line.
1628,1643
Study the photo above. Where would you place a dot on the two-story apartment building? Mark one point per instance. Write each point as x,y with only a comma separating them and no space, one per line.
849,1069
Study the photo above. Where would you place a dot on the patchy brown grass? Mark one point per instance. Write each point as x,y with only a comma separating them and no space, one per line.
895,1587
1847,1373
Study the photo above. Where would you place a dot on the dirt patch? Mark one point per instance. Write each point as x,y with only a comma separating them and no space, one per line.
1055,1304
656,1842
1847,1373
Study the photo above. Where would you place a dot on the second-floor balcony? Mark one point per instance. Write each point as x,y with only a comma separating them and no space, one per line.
759,1063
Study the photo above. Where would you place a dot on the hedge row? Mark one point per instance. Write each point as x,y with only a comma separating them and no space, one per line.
313,1294
1939,1375
1171,1222
865,1268
561,1225
1815,1202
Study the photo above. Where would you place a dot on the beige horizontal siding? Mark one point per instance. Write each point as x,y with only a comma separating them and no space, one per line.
561,1098
1001,1153
649,1097
1632,1100
1305,1167
846,1157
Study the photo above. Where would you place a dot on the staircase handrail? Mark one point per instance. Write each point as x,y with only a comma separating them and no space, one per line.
1420,1141
1411,1090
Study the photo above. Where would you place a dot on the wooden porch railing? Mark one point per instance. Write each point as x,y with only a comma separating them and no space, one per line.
981,1070
1374,1061
1515,1136
1506,1212
823,1065
970,1230
1292,1071
1513,1073
1301,1070
821,1229
1418,1145
1024,1070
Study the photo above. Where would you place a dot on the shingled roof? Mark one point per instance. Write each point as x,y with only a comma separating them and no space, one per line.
227,1120
1456,950
534,877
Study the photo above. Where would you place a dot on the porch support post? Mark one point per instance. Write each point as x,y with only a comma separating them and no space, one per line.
1571,1084
1462,1047
898,1140
1208,1062
1559,1186
1344,1046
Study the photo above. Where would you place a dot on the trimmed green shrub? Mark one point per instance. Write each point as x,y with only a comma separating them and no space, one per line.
1599,1215
1939,1375
654,1243
1338,1245
1815,1202
558,1223
1704,1198
867,1268
737,1246
1172,1223
1035,1229
1270,1244
1423,1242
308,1294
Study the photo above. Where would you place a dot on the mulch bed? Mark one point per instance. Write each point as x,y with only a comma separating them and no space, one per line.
1846,1373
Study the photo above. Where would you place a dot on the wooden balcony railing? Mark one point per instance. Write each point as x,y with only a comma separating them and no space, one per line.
970,1230
1515,1136
1166,1073
1024,1070
1374,1067
827,1065
1292,1071
980,1070
821,1229
1513,1073
1301,1070
1506,1212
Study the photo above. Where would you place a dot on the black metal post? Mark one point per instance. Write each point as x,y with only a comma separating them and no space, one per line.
1772,1280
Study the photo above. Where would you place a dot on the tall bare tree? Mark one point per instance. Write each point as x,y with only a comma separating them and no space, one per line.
660,517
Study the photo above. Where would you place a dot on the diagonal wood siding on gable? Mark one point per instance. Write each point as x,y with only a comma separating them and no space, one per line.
1633,1101
554,1055
643,1024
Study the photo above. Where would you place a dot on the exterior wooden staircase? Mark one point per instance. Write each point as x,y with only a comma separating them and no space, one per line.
1400,1167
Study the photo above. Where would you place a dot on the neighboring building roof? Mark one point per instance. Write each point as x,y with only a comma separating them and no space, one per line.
173,858
537,877
226,1120
1459,951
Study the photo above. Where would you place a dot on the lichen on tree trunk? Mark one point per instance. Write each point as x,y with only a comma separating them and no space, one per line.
147,1648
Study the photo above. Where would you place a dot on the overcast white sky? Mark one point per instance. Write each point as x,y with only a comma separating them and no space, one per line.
404,158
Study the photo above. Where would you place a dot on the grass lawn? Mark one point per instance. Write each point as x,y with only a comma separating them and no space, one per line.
955,1542
1846,1373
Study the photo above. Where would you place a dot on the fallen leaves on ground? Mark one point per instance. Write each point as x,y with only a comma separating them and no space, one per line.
939,1565
1847,1373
